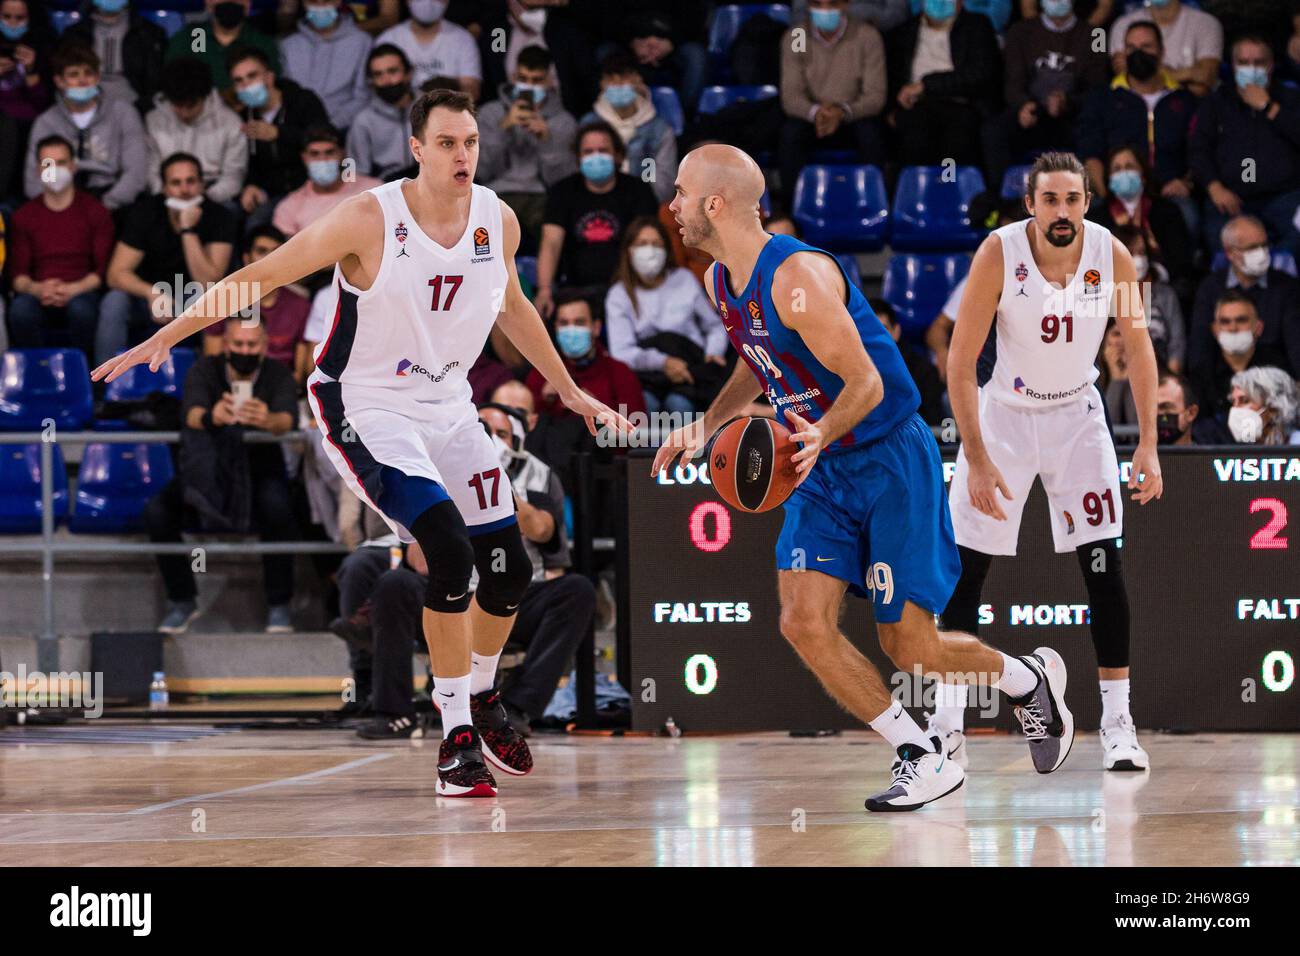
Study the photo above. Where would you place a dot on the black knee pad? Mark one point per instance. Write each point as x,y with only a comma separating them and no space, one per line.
963,610
442,536
1108,600
504,569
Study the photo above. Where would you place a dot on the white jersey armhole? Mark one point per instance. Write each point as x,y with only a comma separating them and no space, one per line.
382,195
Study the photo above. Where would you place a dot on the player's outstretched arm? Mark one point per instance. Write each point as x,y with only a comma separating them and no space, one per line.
1129,308
331,238
526,331
979,304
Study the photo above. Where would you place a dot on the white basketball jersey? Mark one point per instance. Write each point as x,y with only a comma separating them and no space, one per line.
414,334
1048,337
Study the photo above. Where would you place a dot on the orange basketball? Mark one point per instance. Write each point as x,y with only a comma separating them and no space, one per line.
749,464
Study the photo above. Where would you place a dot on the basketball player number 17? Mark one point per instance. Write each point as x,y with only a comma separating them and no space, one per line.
477,483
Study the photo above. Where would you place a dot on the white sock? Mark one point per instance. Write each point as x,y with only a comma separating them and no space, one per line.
950,706
452,697
897,726
1017,678
482,672
1114,699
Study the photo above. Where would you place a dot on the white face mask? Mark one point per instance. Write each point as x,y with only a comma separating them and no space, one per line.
534,21
1255,262
1246,424
1236,343
57,179
1140,266
427,12
179,204
648,261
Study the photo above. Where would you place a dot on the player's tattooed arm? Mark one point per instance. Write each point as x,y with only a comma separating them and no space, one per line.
979,304
1128,306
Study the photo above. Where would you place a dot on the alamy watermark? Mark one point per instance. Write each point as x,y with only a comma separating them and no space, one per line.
65,690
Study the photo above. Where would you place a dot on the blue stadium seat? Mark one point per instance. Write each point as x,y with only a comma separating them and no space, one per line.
1283,261
1013,181
40,384
931,213
20,488
526,266
849,263
725,26
170,20
918,285
669,106
114,483
715,98
138,381
842,208
60,20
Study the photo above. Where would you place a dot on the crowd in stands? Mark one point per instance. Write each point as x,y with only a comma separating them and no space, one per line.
144,155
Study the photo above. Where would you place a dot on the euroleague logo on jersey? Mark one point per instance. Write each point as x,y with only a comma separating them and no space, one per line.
481,245
755,318
406,365
1091,282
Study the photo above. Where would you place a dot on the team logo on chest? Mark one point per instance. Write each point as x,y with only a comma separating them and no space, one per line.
400,234
481,245
756,326
1022,273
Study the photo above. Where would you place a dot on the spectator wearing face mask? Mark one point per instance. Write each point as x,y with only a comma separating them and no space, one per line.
106,134
225,29
1275,294
192,118
130,49
586,216
436,46
25,43
1245,148
649,145
379,137
1193,42
1237,329
325,188
1265,407
1163,313
275,114
327,55
58,252
526,142
661,324
171,247
1178,415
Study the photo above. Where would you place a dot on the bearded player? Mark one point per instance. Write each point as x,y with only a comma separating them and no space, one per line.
423,268
869,513
1052,281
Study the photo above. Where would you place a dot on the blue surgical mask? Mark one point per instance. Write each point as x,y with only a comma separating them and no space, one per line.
1057,9
110,6
1250,76
939,9
322,18
597,167
527,89
828,21
323,172
1159,3
81,94
1126,183
620,96
11,32
573,340
254,95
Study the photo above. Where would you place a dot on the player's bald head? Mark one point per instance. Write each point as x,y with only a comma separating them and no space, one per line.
721,170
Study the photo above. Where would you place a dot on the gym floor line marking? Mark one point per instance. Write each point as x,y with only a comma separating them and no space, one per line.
266,785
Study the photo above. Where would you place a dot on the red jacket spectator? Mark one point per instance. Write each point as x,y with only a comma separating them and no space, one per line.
607,380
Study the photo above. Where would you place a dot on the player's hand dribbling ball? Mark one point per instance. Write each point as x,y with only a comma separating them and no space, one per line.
750,464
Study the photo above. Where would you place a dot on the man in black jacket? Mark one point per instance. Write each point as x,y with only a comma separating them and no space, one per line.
944,75
276,113
130,49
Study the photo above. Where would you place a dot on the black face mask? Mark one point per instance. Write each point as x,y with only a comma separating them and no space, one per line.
392,93
1141,65
243,362
228,15
1167,430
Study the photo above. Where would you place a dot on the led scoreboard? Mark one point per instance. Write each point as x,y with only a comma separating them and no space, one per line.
1213,571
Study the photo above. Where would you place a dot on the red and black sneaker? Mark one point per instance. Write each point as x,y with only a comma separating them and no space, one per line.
503,744
461,770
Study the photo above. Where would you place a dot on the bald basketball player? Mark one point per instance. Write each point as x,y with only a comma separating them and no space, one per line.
869,513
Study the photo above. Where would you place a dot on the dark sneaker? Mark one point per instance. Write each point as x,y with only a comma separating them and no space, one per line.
1047,723
503,744
920,776
382,727
354,630
278,619
179,616
461,770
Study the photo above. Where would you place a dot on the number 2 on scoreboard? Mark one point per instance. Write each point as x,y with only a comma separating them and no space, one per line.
1270,537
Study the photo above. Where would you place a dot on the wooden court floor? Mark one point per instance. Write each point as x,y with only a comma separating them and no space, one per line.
180,795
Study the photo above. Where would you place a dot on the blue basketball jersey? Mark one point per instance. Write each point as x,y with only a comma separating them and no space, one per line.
795,379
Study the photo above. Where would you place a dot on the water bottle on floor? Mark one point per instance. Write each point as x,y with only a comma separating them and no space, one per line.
158,698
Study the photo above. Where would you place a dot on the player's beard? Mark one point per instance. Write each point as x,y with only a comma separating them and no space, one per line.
696,234
1056,238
